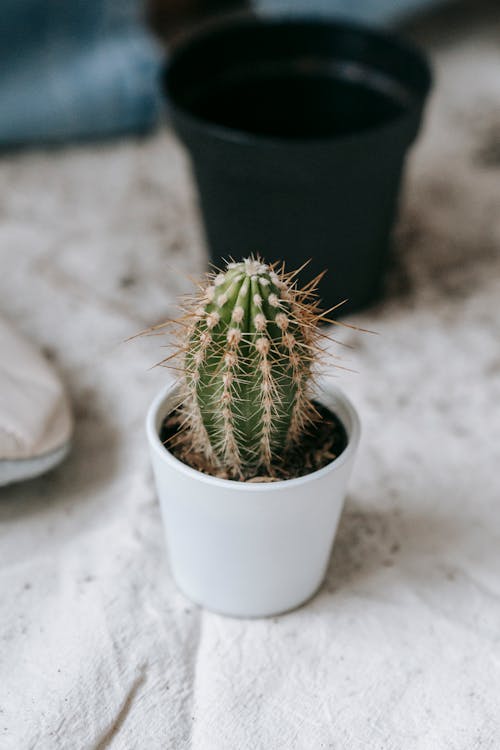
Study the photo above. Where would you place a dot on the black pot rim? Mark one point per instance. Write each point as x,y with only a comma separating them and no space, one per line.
278,21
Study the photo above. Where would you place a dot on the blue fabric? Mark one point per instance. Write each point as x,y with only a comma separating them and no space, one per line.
75,68
89,68
380,12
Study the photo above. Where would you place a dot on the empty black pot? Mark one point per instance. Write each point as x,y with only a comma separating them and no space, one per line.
298,130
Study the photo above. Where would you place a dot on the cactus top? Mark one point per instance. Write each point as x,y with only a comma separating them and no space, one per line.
247,367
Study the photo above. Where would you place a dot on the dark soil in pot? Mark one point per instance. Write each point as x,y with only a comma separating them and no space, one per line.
321,445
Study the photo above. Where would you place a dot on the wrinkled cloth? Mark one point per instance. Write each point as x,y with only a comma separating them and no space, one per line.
400,648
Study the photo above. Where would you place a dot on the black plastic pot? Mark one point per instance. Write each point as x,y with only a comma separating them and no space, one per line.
298,130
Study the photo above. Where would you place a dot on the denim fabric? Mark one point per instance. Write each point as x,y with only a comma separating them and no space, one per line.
75,68
381,12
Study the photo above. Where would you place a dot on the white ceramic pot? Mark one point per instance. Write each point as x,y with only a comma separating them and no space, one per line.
243,549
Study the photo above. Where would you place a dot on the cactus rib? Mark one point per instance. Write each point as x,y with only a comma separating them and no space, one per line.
248,356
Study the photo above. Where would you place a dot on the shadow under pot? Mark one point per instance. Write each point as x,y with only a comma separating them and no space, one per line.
298,130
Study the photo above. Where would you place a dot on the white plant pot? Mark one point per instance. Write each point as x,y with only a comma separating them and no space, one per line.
244,549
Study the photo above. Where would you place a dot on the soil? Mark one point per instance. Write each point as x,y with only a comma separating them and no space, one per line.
319,446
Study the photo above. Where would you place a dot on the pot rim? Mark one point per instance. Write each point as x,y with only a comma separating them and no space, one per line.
279,20
353,437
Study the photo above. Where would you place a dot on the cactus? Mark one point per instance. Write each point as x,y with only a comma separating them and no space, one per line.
249,343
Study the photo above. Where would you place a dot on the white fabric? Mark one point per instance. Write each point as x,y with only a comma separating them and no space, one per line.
400,649
35,418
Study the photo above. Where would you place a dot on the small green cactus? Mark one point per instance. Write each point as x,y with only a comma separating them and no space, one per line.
248,350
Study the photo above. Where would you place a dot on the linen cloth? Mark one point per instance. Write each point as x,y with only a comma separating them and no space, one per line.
400,649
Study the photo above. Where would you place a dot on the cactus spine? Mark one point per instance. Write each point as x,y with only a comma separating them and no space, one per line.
248,351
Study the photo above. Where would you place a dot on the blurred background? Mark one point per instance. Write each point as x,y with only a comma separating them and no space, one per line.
90,68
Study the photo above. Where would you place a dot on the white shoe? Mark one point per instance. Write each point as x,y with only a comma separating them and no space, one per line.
35,416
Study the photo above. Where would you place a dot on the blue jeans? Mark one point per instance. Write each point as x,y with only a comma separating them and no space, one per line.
75,68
